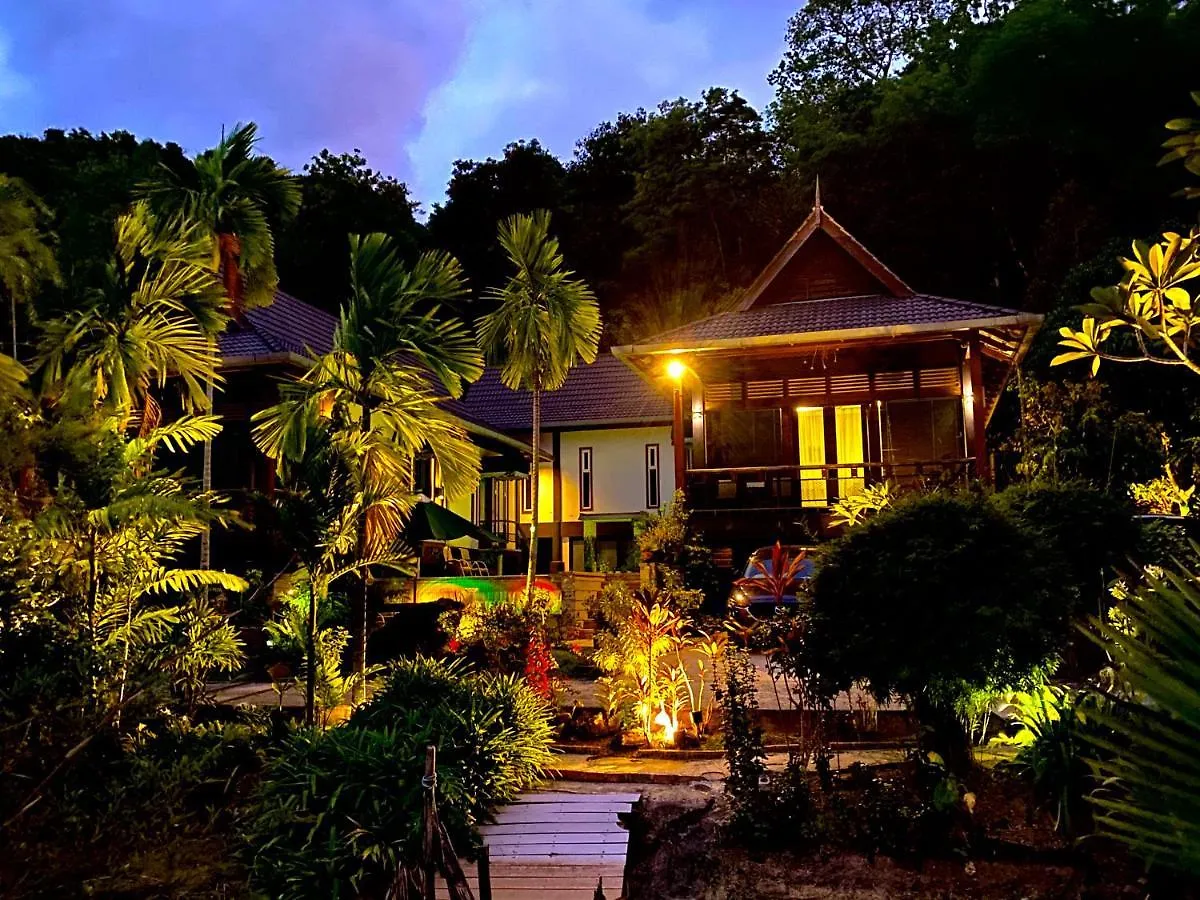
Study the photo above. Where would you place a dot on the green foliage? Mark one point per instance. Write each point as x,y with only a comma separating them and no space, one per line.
492,728
340,195
339,812
147,318
1151,773
684,566
1184,146
939,589
230,191
744,753
836,46
496,635
858,507
1053,722
27,259
1083,431
1089,535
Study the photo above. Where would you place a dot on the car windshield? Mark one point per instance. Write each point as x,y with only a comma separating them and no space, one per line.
762,568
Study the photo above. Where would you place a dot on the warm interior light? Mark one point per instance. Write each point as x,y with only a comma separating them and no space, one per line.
676,369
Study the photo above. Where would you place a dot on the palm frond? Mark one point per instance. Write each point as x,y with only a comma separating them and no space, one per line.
1152,800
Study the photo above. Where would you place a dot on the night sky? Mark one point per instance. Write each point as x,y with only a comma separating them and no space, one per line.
416,84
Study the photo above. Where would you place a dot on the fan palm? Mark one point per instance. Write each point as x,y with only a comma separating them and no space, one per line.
545,321
371,400
150,317
26,257
234,195
1151,762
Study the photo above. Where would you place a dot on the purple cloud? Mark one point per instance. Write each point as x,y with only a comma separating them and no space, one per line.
312,73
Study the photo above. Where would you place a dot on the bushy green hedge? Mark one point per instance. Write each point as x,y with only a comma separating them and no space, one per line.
338,812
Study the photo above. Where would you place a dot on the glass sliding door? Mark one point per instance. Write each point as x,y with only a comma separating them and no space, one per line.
848,422
810,423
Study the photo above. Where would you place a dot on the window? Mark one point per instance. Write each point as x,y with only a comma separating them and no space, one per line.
810,422
848,426
585,478
475,506
526,495
652,483
422,476
744,437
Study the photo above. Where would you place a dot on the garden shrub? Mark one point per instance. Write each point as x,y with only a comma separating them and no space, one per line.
934,597
683,564
492,727
496,636
1052,723
1089,533
339,812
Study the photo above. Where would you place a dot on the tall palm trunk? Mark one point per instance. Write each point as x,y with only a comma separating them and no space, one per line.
534,472
310,641
229,248
358,623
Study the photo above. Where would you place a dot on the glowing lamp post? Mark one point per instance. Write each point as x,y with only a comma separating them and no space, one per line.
675,371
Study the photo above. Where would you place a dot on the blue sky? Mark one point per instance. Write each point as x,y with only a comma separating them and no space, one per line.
415,84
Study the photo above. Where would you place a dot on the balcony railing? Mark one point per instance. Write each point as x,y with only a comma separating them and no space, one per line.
815,487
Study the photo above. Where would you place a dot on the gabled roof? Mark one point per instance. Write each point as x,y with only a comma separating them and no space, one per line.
287,326
822,242
607,392
873,314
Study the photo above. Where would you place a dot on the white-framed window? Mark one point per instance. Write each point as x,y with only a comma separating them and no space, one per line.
585,478
475,506
526,495
653,487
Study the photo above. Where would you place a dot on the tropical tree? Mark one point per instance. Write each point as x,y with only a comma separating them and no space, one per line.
1152,307
236,196
545,322
26,256
375,402
149,316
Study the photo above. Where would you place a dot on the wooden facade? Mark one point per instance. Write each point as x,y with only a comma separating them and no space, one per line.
832,375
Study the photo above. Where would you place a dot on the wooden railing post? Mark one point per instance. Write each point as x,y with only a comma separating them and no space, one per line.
429,825
485,873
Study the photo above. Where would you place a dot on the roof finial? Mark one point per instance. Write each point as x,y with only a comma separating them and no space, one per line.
817,194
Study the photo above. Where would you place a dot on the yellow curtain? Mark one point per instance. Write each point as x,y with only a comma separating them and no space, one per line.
811,423
848,421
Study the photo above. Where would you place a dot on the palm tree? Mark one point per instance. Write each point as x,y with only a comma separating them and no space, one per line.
26,257
235,195
372,402
150,316
545,322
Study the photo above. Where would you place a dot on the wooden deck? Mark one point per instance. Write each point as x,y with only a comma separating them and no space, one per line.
555,845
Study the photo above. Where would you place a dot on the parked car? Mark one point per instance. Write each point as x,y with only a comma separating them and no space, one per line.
772,579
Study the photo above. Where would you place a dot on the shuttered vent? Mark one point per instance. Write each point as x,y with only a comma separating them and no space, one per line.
849,384
764,390
945,380
806,387
886,382
718,394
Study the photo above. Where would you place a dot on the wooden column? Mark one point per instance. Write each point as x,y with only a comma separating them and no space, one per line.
973,407
677,441
556,551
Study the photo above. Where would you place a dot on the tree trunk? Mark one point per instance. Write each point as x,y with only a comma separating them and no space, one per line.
940,731
362,602
534,471
12,305
310,675
229,248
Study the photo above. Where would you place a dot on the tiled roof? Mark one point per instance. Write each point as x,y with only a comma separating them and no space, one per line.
286,326
833,314
605,391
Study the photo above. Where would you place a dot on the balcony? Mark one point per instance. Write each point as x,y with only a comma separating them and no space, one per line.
749,488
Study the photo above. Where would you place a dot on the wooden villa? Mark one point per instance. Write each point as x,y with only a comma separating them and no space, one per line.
830,375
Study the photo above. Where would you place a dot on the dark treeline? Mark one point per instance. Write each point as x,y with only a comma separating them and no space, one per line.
983,154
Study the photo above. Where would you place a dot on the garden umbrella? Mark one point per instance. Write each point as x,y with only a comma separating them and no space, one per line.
432,522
